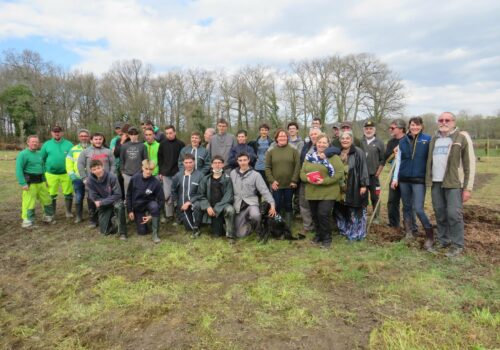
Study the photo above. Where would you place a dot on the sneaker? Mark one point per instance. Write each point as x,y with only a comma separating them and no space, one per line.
123,237
454,252
27,224
196,233
163,220
48,219
92,225
69,215
325,245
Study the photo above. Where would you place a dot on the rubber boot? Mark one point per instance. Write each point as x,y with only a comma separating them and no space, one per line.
155,224
429,239
68,203
408,230
54,205
78,212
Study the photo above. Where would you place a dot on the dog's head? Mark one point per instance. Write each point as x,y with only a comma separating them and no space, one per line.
264,208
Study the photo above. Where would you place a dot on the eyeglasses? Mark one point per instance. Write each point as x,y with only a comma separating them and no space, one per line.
444,121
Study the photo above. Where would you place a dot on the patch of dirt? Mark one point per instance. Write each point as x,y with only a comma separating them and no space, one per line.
482,233
482,180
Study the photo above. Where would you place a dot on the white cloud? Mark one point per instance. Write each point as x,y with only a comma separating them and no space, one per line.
422,40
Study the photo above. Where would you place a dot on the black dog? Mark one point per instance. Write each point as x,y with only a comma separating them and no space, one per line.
274,227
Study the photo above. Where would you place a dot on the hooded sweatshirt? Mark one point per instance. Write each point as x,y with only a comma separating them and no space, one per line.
142,190
106,189
91,153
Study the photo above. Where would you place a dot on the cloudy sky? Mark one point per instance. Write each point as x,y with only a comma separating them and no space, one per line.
447,52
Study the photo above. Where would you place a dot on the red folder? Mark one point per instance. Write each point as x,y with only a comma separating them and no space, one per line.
314,176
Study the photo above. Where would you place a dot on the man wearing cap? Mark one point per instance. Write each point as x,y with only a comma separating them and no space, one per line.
374,150
132,154
74,175
346,126
451,168
95,152
30,176
54,153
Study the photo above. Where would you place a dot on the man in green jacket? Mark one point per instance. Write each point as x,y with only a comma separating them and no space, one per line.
30,176
74,175
451,168
54,153
152,147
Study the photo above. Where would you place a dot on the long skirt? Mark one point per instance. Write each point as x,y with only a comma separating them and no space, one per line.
351,221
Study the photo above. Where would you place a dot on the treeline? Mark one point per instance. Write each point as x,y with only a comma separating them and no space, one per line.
36,94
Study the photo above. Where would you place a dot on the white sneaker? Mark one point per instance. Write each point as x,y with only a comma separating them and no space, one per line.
48,219
27,224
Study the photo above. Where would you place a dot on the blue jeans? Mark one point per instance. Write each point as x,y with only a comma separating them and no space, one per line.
284,199
413,196
79,191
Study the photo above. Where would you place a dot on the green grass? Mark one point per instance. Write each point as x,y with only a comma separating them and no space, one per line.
67,287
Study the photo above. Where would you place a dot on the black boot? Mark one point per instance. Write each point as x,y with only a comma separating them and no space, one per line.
155,223
78,212
68,203
429,239
54,205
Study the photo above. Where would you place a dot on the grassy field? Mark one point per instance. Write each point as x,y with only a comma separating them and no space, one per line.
65,286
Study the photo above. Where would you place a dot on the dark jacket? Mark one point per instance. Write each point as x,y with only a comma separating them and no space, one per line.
205,195
141,191
185,188
389,149
168,156
413,157
107,189
356,177
374,154
233,155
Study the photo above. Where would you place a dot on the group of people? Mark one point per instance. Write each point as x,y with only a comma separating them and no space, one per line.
222,179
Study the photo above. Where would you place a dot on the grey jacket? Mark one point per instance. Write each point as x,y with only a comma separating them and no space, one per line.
185,188
246,186
221,145
375,154
201,155
91,153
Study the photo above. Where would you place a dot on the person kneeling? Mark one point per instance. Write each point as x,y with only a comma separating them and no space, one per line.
185,192
105,192
216,191
247,182
144,199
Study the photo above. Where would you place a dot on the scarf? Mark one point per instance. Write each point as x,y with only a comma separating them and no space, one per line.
314,158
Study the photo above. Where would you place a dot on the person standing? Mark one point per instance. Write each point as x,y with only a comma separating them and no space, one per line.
121,131
222,142
152,147
95,152
241,147
168,156
30,174
295,141
260,147
247,184
409,175
74,175
105,192
351,212
451,169
374,150
145,198
54,153
207,137
216,198
200,153
323,189
282,173
132,154
158,135
185,186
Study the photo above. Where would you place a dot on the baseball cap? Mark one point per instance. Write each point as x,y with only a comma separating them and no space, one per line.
369,123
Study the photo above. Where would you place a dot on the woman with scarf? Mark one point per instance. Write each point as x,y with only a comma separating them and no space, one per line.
323,177
409,175
351,212
282,173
